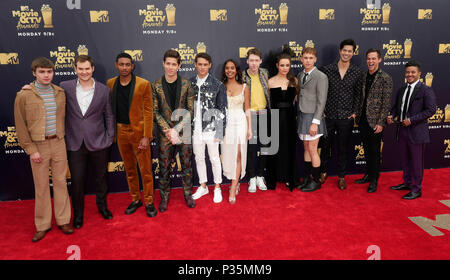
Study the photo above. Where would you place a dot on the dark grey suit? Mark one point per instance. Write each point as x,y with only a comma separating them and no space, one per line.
88,138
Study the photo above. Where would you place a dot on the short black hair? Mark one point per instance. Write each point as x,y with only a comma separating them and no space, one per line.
371,50
124,55
413,63
204,56
348,42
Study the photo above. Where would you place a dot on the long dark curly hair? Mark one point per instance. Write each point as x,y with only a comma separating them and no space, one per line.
238,71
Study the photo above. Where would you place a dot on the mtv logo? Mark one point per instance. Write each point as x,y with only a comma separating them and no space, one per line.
243,51
135,54
116,166
430,226
444,48
326,14
218,15
24,8
265,6
99,16
9,58
425,14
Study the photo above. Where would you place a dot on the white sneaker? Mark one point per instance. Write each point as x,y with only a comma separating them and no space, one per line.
260,183
201,191
252,185
217,195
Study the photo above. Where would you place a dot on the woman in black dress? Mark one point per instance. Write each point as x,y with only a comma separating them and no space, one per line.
283,91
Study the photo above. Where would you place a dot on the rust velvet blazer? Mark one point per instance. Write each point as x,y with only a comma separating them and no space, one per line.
141,106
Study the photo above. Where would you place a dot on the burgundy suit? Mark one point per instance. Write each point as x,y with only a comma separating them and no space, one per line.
412,139
88,138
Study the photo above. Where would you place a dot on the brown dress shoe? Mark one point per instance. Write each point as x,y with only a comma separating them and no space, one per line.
341,184
323,177
66,229
39,235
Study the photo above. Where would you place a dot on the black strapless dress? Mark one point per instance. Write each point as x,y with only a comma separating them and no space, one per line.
282,166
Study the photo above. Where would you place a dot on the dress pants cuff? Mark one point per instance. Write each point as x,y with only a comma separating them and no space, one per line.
43,227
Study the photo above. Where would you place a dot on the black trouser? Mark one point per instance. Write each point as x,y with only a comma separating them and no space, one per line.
372,149
253,149
343,128
78,165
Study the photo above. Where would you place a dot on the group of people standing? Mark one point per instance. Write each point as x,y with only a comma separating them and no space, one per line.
255,120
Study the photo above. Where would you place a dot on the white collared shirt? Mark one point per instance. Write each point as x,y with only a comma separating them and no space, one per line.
413,85
304,72
84,97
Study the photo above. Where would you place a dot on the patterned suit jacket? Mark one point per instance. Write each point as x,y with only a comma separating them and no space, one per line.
185,97
378,100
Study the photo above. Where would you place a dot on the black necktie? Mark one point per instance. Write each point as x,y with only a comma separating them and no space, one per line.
304,78
405,105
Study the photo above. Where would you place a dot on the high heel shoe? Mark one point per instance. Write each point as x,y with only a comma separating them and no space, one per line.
232,200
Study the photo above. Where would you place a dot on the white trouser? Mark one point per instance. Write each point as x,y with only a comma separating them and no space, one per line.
199,142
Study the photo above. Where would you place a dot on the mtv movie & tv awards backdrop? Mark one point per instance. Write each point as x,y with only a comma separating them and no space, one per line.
60,30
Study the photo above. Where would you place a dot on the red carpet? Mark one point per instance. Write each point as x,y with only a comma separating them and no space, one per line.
326,224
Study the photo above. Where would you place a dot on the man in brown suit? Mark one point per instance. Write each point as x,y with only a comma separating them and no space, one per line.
374,109
132,106
39,111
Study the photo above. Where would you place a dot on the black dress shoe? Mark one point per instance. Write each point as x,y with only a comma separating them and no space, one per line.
412,195
304,182
290,186
133,207
311,186
190,202
77,222
106,214
151,210
363,180
163,205
400,187
372,187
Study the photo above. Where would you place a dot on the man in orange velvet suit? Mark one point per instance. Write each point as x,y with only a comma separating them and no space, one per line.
132,105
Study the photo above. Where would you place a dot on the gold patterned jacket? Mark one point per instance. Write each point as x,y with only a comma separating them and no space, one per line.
378,99
184,100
